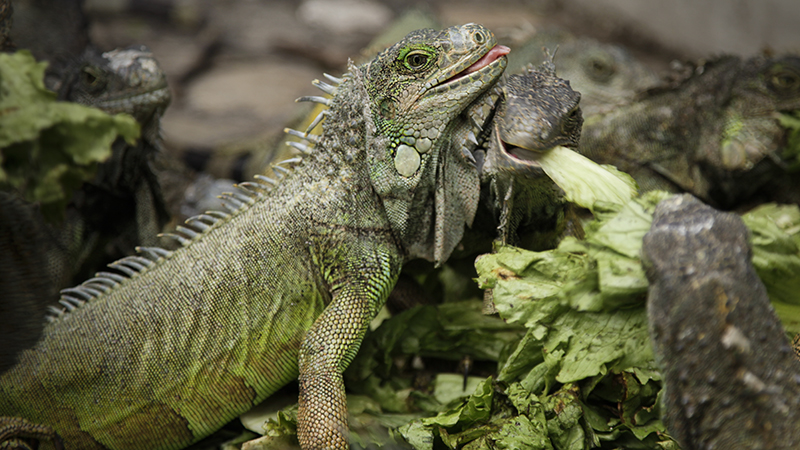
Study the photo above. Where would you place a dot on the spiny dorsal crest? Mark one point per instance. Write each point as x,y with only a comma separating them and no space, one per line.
331,90
247,194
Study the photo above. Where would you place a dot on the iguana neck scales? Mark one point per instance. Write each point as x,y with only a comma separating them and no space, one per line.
282,286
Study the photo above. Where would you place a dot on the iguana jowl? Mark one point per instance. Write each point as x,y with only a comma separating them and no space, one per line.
284,285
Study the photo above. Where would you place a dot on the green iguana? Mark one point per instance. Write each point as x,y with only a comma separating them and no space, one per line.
283,285
715,134
731,379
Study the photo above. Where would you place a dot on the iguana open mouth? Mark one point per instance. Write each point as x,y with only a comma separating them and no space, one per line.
489,60
491,56
521,155
518,158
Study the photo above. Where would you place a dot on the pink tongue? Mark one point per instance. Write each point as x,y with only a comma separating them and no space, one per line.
490,57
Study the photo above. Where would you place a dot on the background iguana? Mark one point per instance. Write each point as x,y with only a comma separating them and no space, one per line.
606,75
731,379
715,133
285,283
122,206
125,187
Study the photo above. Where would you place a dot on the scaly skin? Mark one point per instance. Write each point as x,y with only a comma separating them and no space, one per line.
714,134
282,287
731,379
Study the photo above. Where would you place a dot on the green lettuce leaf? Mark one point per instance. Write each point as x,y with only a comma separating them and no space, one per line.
569,366
48,148
583,181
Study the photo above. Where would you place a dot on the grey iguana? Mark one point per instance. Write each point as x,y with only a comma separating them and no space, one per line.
537,112
283,285
123,205
731,378
715,133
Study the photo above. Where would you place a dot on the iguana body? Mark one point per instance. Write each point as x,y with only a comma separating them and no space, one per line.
284,285
731,379
714,134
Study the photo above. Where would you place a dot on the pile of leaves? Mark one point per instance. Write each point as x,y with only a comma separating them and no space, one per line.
569,358
47,147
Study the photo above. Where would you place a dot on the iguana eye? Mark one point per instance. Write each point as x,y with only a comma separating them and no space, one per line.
479,37
90,79
416,60
600,68
785,80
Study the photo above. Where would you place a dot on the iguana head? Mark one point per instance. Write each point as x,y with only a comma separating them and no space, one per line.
419,85
537,111
119,81
417,89
741,145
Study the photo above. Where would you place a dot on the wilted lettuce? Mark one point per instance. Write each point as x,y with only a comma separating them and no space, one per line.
583,181
48,148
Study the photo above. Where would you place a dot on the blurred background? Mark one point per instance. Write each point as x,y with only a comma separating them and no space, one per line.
236,66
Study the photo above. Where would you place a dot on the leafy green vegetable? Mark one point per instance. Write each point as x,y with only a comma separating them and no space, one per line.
574,366
775,237
48,148
583,181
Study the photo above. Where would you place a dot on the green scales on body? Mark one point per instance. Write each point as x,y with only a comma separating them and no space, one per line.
185,342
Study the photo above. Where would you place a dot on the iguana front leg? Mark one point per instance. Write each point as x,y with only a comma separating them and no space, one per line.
333,341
